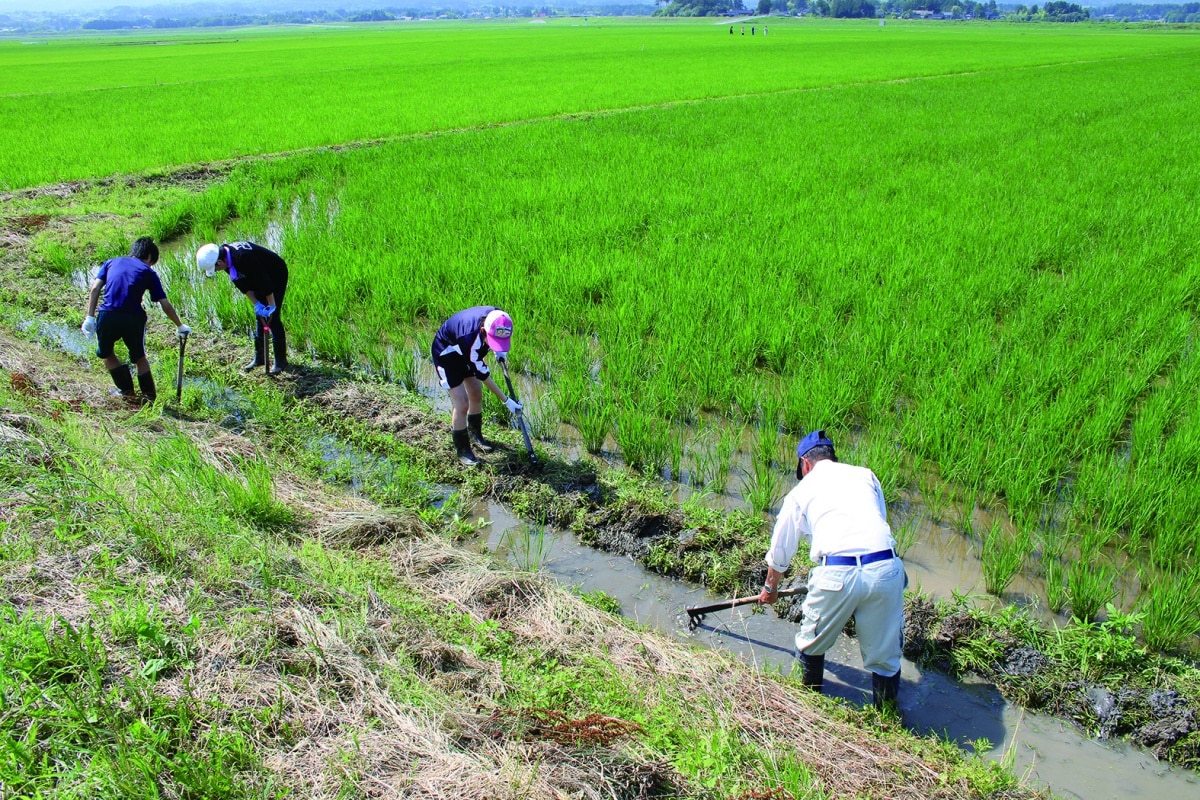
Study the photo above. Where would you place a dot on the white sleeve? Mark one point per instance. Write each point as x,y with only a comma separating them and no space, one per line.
879,497
785,539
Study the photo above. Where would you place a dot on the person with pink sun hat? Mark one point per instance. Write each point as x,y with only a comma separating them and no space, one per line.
458,351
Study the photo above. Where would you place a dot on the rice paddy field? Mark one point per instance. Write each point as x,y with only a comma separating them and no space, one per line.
968,252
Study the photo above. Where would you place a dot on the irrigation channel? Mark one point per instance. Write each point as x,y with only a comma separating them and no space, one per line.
1046,751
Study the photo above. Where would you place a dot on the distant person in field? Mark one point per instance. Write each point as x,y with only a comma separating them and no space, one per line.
731,30
839,509
458,351
743,30
261,275
764,30
121,282
751,30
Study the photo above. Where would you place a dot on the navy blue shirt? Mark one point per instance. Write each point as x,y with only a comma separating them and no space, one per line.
463,334
125,280
258,269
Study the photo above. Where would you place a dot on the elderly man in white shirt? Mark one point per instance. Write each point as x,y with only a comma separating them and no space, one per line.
840,509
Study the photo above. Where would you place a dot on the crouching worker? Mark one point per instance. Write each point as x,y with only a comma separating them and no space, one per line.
839,508
261,275
458,351
121,282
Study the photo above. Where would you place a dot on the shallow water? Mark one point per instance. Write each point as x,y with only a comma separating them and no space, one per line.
1047,752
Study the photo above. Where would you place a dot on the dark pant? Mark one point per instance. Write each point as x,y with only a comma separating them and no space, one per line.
112,326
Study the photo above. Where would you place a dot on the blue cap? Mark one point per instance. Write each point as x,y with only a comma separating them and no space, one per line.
813,439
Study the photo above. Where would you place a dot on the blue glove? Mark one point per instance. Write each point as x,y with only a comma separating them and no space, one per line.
262,309
270,310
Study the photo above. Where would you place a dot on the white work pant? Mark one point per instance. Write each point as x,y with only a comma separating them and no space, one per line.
873,595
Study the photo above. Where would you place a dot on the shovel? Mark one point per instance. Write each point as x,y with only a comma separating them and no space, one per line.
179,369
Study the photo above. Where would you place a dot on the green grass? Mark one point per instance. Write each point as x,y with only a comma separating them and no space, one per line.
82,107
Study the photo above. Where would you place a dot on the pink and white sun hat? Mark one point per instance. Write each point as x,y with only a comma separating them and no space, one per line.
497,327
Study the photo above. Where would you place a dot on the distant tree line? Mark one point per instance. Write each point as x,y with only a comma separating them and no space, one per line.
1187,12
129,20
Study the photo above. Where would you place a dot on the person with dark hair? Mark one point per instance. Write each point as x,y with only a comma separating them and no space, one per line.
122,281
839,508
458,350
261,275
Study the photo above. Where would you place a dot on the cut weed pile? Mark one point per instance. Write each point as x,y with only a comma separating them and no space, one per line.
192,612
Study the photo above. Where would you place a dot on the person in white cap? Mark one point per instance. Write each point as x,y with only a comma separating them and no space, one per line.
840,509
261,275
458,350
114,311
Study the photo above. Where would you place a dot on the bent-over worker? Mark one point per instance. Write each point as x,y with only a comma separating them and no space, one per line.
840,509
458,350
261,275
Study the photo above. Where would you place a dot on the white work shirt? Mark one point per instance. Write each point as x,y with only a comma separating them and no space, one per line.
839,508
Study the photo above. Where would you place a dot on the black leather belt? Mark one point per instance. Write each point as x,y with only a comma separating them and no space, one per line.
856,561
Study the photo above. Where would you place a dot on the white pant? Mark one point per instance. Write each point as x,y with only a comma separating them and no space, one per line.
873,595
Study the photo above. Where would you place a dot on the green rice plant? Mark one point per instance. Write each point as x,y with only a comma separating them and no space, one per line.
761,485
1055,573
905,534
1171,548
722,465
935,494
1168,603
966,511
675,449
527,546
542,417
643,439
1091,583
1003,555
594,419
404,367
701,458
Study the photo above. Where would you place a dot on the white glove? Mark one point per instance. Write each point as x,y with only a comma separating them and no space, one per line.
512,405
183,330
89,326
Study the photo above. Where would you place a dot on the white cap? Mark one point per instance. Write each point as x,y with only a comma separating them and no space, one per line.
206,258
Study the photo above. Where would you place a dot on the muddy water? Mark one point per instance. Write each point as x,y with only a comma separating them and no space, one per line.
1045,751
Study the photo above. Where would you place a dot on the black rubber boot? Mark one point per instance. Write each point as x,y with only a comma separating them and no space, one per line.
279,344
884,690
146,384
475,426
257,361
462,444
123,380
814,671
